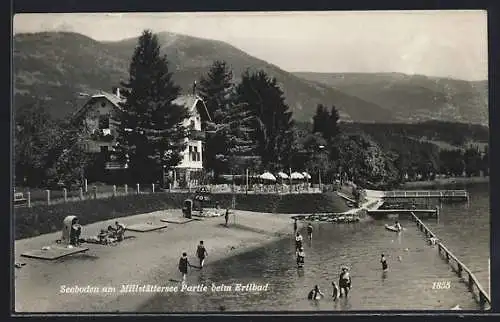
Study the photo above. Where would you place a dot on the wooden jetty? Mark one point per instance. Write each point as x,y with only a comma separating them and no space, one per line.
439,194
433,213
463,271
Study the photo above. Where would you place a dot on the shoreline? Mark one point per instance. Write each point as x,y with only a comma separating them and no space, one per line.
446,182
38,284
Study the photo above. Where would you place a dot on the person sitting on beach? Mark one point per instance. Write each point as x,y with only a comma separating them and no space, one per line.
298,241
315,294
310,231
344,282
398,226
335,291
120,230
384,263
300,256
103,236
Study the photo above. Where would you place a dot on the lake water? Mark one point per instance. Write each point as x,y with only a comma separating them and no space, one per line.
408,285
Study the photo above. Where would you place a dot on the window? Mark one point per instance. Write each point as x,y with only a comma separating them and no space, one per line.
196,154
190,154
103,122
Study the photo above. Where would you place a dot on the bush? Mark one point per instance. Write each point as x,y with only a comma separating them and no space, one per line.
45,219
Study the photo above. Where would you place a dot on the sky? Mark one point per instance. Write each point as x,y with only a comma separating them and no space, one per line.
435,43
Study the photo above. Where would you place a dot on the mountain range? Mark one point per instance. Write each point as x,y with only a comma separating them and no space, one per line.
57,66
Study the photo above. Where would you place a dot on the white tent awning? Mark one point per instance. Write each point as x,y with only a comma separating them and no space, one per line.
297,175
268,176
282,175
306,175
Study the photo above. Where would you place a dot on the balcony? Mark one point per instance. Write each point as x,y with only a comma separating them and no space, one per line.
197,135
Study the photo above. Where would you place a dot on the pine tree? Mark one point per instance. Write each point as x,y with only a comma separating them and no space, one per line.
215,89
272,118
152,129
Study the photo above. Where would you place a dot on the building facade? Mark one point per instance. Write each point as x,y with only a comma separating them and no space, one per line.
98,115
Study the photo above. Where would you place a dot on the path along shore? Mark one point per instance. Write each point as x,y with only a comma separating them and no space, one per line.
149,259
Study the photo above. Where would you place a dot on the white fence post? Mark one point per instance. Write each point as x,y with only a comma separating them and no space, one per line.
153,187
81,193
29,198
126,189
48,197
114,190
85,185
65,192
138,187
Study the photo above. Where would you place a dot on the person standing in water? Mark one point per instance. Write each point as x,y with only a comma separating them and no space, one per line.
335,291
397,225
226,216
201,252
310,231
344,282
383,261
300,257
315,293
298,241
183,266
295,225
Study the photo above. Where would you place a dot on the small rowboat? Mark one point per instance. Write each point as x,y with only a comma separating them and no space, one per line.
392,228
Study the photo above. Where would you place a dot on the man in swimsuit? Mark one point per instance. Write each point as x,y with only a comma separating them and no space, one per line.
300,257
344,282
310,231
201,252
384,263
298,241
183,266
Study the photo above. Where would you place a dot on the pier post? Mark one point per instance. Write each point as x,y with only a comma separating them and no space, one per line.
460,270
482,300
29,198
48,196
471,283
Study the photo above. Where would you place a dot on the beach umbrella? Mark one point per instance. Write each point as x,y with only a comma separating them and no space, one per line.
282,175
306,175
268,176
297,176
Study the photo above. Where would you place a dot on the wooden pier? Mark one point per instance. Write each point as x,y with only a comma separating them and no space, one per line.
432,212
439,194
463,271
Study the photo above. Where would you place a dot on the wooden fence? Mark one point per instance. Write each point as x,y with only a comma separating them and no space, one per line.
463,271
462,194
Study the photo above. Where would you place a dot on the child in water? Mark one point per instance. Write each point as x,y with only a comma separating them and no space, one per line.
298,241
315,294
300,257
335,292
384,263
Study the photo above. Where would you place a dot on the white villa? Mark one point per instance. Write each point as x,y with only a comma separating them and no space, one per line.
98,111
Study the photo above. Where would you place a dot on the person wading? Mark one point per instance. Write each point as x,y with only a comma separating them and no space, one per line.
383,261
298,241
310,231
344,282
295,226
226,216
183,266
201,252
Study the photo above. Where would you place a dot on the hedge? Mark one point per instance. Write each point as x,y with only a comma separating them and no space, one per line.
45,219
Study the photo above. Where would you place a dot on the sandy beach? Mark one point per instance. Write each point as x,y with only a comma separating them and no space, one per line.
150,258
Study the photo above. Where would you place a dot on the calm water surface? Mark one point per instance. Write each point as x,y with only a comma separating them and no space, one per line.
413,267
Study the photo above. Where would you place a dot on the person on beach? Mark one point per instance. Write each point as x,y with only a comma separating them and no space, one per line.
120,230
383,260
315,293
295,226
183,266
335,291
344,282
76,231
201,252
298,241
300,257
310,231
226,216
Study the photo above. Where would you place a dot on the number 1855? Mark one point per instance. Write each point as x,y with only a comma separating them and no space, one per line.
443,285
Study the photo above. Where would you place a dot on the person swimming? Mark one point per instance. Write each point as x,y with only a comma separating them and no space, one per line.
300,257
398,226
344,282
298,241
315,293
335,291
383,260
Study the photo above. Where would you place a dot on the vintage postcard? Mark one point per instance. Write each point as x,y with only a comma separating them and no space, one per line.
251,161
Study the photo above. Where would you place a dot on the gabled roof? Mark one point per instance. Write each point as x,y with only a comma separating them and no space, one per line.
189,101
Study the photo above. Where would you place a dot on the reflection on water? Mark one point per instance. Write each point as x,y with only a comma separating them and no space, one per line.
413,268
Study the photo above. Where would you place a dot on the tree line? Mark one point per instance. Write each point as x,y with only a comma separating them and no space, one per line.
250,128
